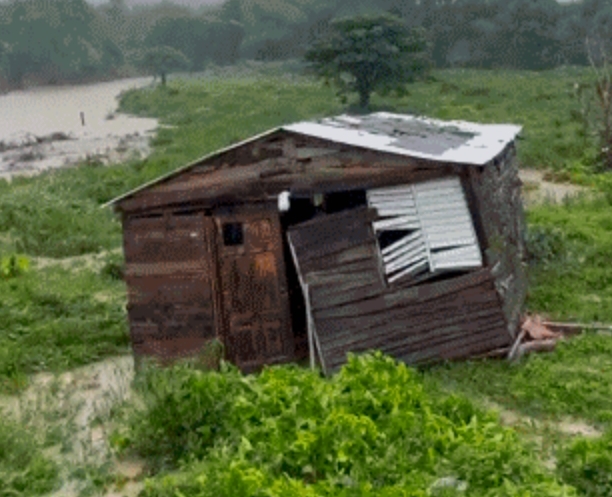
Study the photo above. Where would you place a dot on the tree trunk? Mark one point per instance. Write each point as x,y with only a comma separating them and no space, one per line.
364,98
163,78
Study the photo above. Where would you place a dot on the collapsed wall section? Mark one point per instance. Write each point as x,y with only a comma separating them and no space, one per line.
353,308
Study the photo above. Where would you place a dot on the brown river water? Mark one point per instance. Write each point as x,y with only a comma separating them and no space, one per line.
50,127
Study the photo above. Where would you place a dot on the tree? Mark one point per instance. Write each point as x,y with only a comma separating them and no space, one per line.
603,97
162,60
370,53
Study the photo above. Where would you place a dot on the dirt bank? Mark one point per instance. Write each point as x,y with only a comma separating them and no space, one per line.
50,127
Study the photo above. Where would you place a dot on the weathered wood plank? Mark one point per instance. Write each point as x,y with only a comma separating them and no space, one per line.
368,291
356,304
423,326
451,341
346,260
412,315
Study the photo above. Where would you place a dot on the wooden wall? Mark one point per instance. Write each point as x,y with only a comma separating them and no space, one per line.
497,189
170,290
354,309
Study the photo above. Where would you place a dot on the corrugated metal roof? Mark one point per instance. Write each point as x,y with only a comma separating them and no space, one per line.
457,142
414,136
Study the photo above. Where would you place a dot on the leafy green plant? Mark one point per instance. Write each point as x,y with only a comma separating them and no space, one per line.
587,464
373,429
13,265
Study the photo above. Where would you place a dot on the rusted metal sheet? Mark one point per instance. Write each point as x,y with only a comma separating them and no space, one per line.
254,289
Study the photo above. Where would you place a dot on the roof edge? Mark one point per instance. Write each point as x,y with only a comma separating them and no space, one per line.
180,170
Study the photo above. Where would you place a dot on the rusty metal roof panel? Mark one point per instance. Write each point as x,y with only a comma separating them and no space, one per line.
414,136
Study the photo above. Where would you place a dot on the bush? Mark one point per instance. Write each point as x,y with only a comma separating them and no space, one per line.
545,244
114,266
372,429
587,464
13,265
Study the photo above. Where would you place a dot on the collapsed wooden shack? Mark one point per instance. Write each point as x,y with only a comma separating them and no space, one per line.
384,231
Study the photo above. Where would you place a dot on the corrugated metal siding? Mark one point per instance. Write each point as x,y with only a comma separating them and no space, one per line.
439,230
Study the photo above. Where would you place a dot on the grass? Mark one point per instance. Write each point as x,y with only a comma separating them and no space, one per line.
575,381
544,103
570,272
57,318
213,113
24,470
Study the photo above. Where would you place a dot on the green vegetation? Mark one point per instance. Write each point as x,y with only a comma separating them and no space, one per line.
215,113
570,278
573,381
56,318
373,429
587,465
51,41
161,60
24,471
370,53
377,428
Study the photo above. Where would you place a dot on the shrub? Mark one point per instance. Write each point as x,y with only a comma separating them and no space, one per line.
545,244
587,464
13,265
372,429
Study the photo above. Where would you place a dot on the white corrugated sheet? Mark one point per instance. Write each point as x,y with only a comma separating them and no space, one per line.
414,136
439,232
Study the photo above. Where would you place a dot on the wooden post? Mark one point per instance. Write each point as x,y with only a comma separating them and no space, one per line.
310,323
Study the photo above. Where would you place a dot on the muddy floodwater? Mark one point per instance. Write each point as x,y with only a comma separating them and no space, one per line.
51,127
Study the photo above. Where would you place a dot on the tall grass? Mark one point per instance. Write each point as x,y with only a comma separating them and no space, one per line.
24,470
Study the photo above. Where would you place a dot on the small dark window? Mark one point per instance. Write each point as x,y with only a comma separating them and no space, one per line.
233,234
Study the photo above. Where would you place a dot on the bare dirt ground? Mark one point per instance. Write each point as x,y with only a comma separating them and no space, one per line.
51,127
537,190
74,410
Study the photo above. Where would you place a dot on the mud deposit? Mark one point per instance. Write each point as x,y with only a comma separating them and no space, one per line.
51,127
74,409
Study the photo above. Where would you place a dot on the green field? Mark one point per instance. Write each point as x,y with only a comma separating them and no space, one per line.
67,309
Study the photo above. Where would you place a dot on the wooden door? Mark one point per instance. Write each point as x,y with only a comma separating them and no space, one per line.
170,277
254,288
